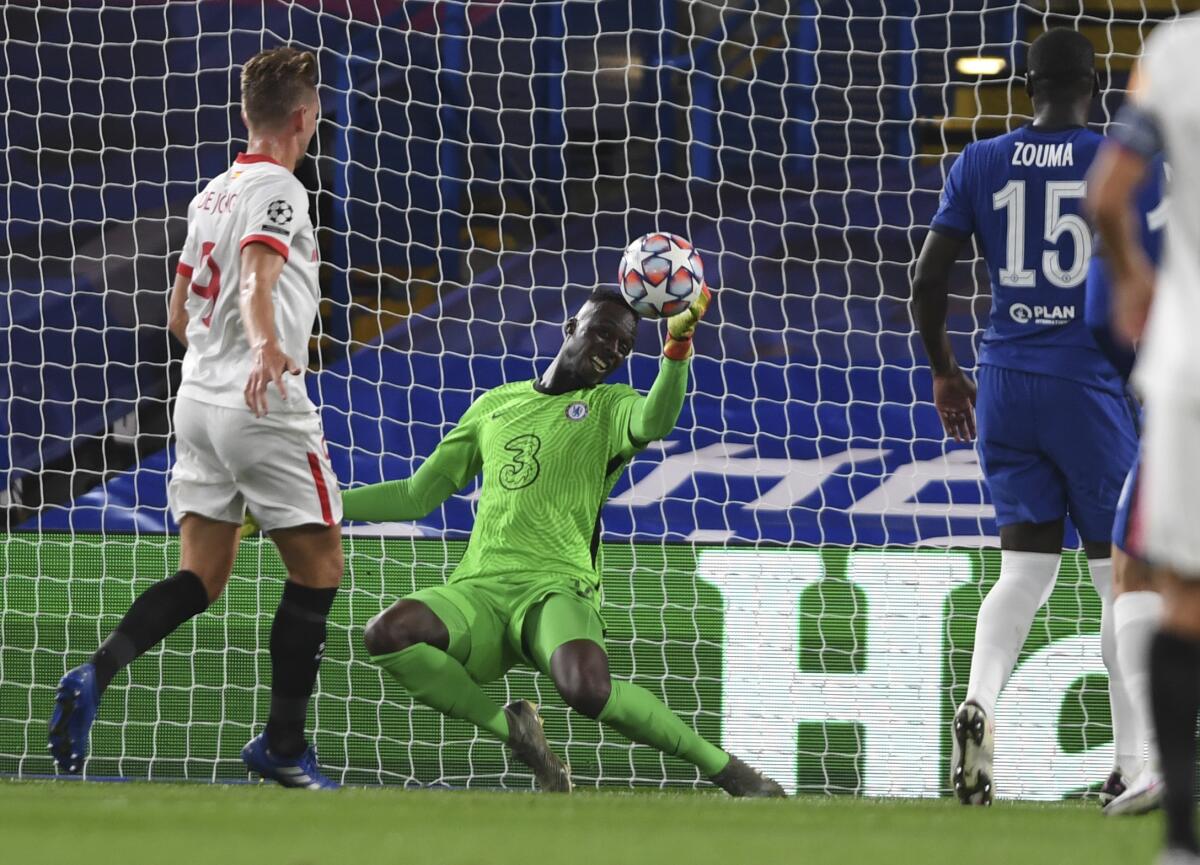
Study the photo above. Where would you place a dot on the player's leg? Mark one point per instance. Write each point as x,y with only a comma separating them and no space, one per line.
1167,513
1030,503
564,635
440,644
313,557
1128,741
565,639
280,466
1096,453
424,642
1029,559
205,500
207,549
1137,612
1175,694
1128,733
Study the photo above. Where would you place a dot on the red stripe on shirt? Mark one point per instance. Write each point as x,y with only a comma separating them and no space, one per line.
251,158
314,464
184,270
273,242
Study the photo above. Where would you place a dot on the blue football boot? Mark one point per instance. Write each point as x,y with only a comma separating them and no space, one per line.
299,771
71,722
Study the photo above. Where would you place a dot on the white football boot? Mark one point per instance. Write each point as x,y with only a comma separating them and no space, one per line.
1141,797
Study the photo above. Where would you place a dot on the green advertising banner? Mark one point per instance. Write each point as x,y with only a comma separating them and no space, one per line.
835,670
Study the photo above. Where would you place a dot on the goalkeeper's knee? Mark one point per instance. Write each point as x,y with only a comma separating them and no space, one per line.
403,624
581,676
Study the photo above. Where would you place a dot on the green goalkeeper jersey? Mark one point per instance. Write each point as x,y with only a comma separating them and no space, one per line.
549,462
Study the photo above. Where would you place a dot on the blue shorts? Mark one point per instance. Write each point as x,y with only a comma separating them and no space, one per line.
1122,536
1052,448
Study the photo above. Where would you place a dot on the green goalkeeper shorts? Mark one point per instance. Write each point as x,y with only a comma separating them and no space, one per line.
495,624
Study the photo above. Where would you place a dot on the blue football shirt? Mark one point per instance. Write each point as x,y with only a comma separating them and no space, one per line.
1021,195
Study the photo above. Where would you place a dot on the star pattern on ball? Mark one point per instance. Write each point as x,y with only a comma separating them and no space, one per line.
660,274
678,258
280,212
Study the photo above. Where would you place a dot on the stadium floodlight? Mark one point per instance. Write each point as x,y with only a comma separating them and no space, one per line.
980,65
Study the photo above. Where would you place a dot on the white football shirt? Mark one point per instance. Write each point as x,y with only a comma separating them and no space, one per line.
1168,360
256,201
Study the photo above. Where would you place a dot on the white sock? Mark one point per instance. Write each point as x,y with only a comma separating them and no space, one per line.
1128,738
1135,617
1004,620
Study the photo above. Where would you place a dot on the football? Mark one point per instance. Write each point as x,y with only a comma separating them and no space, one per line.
661,274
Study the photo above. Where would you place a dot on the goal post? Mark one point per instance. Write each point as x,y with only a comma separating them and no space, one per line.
796,570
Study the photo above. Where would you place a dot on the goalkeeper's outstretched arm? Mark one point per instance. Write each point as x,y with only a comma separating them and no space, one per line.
655,416
451,466
395,501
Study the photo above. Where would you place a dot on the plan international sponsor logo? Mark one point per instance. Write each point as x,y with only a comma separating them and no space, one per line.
1052,315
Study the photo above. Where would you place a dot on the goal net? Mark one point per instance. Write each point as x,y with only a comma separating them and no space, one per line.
796,570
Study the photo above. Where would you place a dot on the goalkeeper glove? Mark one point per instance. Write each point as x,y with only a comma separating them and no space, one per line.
250,525
681,326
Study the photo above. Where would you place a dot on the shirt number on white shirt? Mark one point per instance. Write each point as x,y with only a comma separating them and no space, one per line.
212,288
1011,199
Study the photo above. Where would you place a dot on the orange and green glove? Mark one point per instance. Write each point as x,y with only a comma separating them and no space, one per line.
682,325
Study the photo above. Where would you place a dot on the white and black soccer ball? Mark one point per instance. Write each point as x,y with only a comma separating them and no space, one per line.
661,274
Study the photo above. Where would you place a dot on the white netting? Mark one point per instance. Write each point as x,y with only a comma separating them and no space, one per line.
479,168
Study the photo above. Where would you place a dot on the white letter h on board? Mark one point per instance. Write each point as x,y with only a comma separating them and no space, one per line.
896,701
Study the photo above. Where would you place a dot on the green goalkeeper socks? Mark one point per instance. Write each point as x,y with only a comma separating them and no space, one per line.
640,716
441,682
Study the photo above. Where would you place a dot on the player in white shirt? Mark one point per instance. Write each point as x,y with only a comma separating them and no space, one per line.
247,435
1162,115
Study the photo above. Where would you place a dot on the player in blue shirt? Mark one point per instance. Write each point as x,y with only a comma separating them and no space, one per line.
1056,434
1137,606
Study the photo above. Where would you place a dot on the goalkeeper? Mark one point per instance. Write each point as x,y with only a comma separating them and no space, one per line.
528,588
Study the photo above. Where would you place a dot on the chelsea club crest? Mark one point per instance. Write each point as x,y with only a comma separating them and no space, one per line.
577,411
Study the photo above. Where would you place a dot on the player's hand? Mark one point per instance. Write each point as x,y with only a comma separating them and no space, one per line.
270,365
682,325
250,525
1132,308
954,398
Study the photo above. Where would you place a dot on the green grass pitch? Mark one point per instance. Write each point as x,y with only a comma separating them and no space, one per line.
176,824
